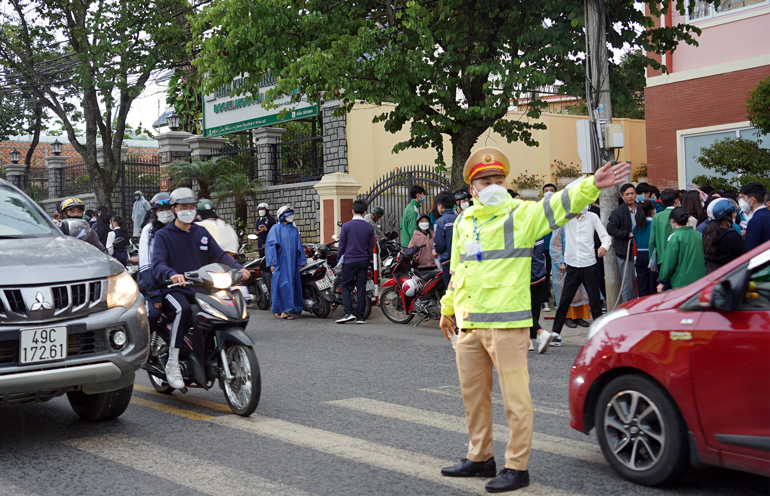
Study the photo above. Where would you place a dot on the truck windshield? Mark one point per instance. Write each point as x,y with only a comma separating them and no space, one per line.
19,218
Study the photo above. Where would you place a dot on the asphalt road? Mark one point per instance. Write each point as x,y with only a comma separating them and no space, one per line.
351,409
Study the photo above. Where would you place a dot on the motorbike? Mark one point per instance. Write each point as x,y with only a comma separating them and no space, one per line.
216,348
132,248
259,282
411,291
316,291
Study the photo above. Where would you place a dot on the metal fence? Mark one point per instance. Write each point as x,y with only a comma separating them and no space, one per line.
137,175
35,185
74,180
245,157
391,191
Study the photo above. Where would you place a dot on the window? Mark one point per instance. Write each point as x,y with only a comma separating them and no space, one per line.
694,143
19,218
758,290
703,11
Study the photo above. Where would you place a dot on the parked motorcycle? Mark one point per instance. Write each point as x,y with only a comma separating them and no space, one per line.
328,254
259,282
411,291
316,291
216,346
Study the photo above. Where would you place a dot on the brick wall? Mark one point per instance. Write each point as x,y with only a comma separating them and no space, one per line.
43,149
708,101
335,144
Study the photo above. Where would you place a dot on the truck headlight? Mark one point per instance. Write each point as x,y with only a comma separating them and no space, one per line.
605,319
122,291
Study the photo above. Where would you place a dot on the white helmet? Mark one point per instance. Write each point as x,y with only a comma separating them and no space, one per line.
283,210
183,195
410,287
263,205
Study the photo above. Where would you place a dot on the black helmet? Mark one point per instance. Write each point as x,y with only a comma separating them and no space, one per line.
462,194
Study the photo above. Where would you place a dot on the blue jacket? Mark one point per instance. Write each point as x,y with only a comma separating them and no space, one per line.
758,228
443,234
176,251
356,241
538,262
284,251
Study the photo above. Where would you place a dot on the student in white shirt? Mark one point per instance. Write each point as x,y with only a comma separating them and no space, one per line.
580,260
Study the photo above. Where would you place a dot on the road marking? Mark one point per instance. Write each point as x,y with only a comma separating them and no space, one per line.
570,448
561,412
161,407
187,399
11,489
405,462
181,468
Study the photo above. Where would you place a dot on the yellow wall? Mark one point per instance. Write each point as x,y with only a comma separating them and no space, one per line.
370,146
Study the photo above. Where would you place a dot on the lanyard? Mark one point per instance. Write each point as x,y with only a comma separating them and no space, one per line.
477,231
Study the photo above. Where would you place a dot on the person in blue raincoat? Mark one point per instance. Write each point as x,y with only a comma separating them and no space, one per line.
285,256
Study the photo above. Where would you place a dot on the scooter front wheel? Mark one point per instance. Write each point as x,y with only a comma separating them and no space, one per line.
159,384
322,307
243,391
391,306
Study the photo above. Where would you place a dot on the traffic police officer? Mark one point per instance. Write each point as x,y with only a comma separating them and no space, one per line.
490,300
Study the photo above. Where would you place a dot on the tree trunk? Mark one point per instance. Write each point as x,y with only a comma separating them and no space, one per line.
38,115
462,143
241,211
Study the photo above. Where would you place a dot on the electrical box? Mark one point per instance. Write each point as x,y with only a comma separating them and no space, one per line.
585,146
613,136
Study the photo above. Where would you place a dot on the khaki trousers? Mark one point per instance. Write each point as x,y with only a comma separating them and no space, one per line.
505,349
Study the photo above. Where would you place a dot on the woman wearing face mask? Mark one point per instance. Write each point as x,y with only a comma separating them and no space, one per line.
721,243
117,250
683,261
424,236
265,222
160,216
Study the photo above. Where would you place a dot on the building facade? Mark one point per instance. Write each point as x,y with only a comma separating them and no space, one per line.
702,99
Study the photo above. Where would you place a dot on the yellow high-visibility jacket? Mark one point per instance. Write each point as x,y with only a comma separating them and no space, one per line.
494,293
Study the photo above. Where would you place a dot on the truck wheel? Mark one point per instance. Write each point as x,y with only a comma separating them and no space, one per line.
100,406
641,432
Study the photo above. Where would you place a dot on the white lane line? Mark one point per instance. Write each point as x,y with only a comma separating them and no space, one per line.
11,489
181,468
560,412
384,457
570,448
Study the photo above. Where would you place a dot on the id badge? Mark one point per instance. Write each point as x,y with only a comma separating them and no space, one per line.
473,248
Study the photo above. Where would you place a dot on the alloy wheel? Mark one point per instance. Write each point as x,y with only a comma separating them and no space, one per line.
635,430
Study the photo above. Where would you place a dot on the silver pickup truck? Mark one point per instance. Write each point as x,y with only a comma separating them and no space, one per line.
71,319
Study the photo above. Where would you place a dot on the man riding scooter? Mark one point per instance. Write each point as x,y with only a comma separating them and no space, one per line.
180,247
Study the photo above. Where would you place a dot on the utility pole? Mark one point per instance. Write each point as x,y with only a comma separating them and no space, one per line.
600,113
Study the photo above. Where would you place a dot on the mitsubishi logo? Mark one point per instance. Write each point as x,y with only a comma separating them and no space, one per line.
40,303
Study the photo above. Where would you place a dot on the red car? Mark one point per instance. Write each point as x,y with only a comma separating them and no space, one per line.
682,378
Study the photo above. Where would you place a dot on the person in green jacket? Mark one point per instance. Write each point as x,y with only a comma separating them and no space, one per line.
661,228
683,261
409,219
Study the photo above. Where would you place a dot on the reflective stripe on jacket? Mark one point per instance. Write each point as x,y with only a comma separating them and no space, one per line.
494,293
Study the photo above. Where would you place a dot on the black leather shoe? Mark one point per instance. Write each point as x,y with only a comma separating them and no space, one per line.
582,323
467,468
508,480
570,323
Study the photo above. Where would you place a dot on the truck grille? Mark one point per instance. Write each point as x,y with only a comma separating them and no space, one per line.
42,303
80,342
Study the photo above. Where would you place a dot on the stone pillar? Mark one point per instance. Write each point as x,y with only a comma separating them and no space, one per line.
54,164
172,146
335,142
203,148
100,155
14,173
269,155
336,192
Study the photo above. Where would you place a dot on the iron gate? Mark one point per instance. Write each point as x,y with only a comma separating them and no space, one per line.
391,191
142,175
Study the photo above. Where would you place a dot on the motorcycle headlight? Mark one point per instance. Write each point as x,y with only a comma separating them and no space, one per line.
122,291
605,319
387,262
221,280
211,310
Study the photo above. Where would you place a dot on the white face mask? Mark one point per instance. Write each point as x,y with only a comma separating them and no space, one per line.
493,195
465,205
166,216
289,219
744,205
186,216
262,213
424,225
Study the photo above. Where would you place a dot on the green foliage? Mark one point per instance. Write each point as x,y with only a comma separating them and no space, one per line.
563,170
640,171
758,107
204,173
236,184
739,156
452,67
528,181
184,94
